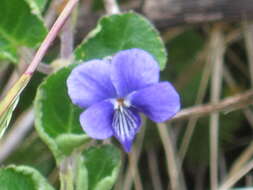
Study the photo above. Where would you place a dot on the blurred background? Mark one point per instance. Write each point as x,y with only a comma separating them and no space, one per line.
210,62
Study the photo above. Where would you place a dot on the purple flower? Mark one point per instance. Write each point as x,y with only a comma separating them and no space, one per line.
116,91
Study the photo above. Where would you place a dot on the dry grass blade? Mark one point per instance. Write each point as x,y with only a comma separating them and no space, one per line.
176,178
200,96
154,169
232,103
217,49
248,35
241,160
236,176
132,173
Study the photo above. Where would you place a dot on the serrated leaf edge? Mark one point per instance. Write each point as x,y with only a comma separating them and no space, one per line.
38,123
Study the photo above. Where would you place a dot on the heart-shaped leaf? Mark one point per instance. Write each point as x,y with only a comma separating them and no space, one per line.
122,31
57,119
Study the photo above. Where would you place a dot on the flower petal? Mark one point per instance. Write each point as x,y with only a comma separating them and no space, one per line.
159,102
96,121
132,70
126,123
90,83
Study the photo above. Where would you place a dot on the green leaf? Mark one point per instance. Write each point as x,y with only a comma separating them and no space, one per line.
40,158
19,26
67,142
57,119
22,178
122,31
99,168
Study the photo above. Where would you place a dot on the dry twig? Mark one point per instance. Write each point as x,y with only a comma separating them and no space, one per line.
199,99
217,47
228,104
175,175
236,176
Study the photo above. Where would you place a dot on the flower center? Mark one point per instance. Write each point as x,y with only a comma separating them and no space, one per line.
121,103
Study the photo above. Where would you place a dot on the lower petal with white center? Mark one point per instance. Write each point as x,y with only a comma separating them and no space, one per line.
126,123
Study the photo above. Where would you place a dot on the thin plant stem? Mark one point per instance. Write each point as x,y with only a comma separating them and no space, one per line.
216,57
67,40
67,36
119,182
176,178
45,68
232,83
248,35
238,101
135,172
111,7
233,36
249,116
154,169
51,35
236,176
132,174
223,166
67,173
244,157
193,120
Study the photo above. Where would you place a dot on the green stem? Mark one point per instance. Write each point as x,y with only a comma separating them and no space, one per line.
67,173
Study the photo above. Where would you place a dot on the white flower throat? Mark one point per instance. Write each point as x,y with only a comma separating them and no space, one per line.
120,103
124,120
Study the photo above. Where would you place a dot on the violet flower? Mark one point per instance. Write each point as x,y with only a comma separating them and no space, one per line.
116,91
